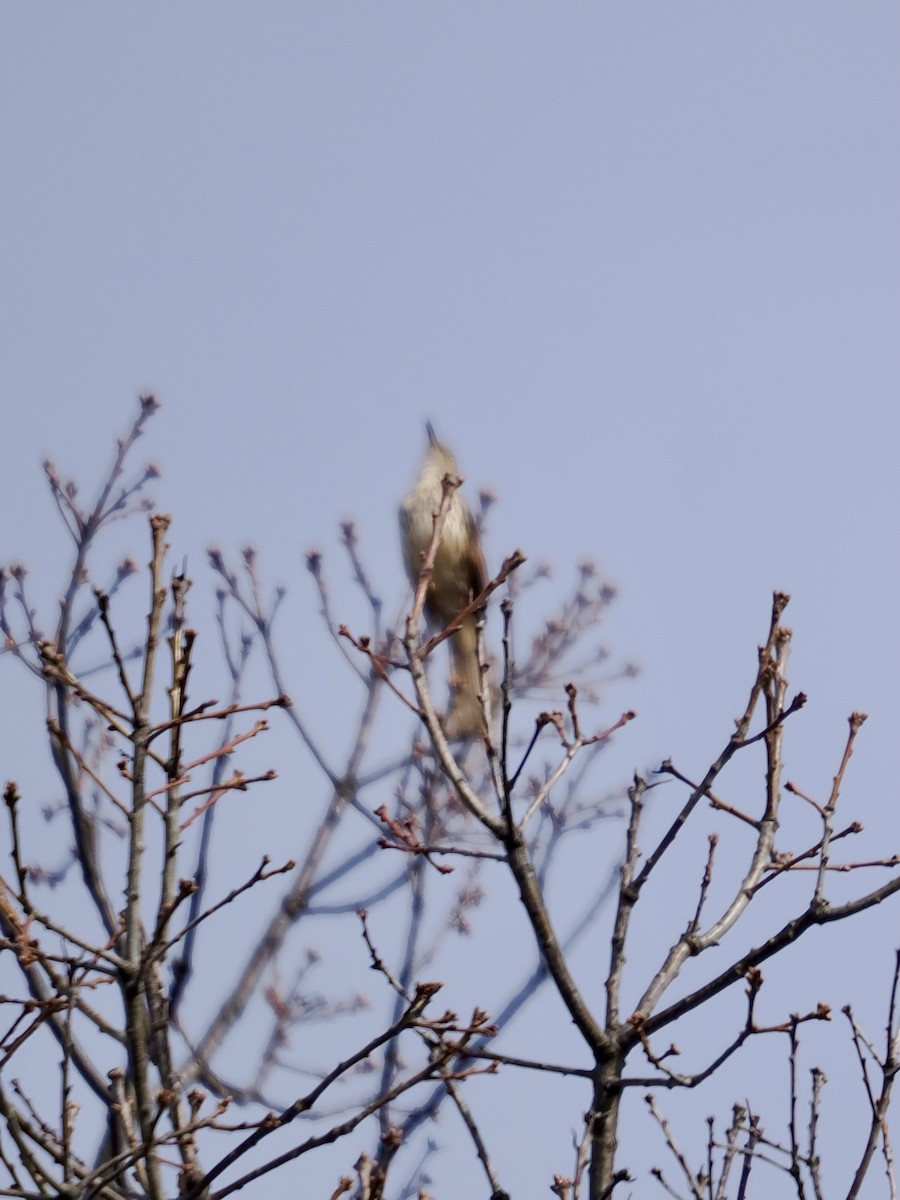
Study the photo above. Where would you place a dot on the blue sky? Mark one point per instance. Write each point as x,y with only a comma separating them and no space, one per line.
639,263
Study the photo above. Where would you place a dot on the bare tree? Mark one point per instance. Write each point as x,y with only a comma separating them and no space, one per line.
157,1020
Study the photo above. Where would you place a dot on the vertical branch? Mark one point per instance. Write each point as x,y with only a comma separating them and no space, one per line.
738,739
487,695
771,683
182,967
855,721
776,683
84,528
136,1020
879,1108
66,1107
794,1170
605,1105
754,1134
509,671
628,895
416,881
818,1082
181,644
731,1151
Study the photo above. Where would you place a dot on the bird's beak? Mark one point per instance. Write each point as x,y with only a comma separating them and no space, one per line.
429,429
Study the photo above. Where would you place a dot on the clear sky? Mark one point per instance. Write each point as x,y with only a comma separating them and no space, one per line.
639,263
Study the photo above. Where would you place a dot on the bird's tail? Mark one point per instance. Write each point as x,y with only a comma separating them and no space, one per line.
466,715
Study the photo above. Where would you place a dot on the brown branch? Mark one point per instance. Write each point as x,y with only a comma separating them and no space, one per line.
380,664
410,1016
258,876
789,933
510,564
737,740
855,721
238,782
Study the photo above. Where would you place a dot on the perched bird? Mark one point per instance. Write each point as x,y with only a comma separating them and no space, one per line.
458,577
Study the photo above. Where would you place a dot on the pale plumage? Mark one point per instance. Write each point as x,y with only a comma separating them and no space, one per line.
458,577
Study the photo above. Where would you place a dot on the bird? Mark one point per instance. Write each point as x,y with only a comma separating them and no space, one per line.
458,577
